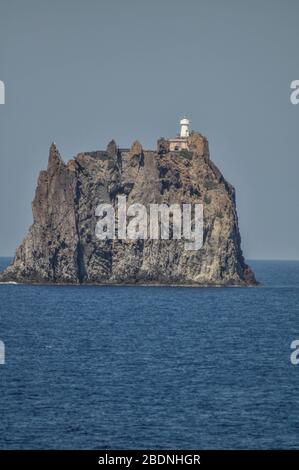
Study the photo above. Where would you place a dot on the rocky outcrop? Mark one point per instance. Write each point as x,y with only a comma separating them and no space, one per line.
61,246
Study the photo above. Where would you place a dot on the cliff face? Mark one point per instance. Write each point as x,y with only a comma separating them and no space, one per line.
61,246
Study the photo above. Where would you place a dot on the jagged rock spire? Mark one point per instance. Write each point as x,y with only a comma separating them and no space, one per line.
112,148
54,156
136,148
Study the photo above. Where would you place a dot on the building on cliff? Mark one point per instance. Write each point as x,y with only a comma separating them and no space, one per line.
180,142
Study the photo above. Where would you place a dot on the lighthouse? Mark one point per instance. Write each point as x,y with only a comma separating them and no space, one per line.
181,141
184,122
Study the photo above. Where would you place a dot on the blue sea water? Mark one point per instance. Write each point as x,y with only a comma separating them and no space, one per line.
151,367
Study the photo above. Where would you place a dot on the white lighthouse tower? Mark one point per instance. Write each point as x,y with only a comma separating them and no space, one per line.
184,122
180,142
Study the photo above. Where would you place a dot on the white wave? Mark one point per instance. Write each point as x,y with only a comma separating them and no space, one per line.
9,282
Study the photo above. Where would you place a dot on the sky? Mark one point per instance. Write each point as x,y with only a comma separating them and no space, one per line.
83,72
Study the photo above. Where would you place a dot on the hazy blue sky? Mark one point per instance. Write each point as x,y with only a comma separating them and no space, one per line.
83,72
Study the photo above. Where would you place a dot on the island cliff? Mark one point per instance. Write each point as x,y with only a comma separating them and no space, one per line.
61,246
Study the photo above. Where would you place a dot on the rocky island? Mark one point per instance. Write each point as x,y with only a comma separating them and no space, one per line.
61,246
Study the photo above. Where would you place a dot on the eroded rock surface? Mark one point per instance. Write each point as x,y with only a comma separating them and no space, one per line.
61,246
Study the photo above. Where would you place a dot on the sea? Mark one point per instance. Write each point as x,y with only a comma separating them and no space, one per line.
95,367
